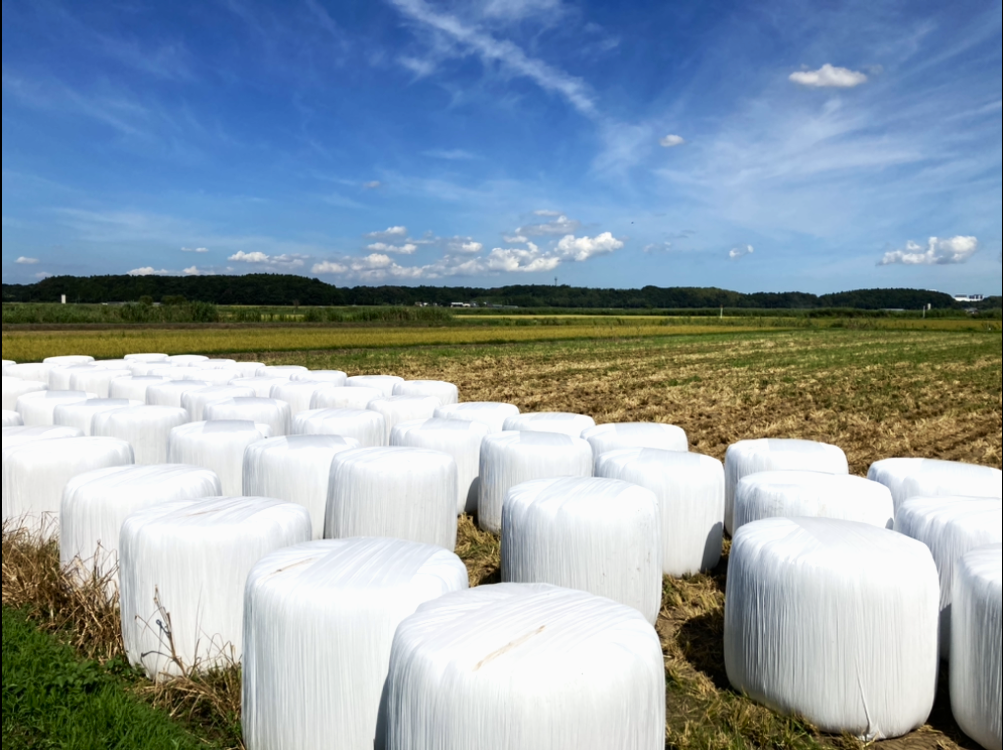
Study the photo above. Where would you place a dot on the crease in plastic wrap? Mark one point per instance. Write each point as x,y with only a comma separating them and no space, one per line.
81,414
400,493
96,504
319,622
38,409
446,393
399,409
368,427
511,458
461,440
268,411
490,413
976,658
15,436
336,377
560,423
37,372
295,469
14,388
772,454
146,428
385,384
183,570
344,397
602,536
690,492
11,419
612,437
299,393
195,402
218,446
97,380
171,393
795,494
835,621
35,474
525,666
951,527
133,388
927,477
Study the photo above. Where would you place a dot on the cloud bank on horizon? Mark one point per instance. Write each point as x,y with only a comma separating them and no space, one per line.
507,141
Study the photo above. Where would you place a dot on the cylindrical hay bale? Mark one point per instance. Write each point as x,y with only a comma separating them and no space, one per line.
344,397
602,536
146,358
111,364
951,527
690,492
925,477
178,373
38,409
385,384
613,437
97,381
96,504
268,411
835,621
218,377
447,393
486,412
218,446
171,392
7,363
401,493
572,425
511,458
82,413
337,604
335,377
216,364
246,369
35,473
977,647
368,427
195,402
525,666
69,359
134,388
299,394
184,567
15,436
14,388
461,440
12,419
61,376
262,387
295,469
37,372
811,494
186,360
770,454
146,428
399,409
280,371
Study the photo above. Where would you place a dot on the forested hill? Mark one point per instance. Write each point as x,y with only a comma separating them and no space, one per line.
297,290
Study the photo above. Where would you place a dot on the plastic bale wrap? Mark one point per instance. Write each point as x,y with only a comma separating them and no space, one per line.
61,376
186,360
399,409
525,666
336,378
297,470
925,477
835,621
368,427
461,440
299,394
690,492
560,423
81,414
97,381
171,392
15,436
246,369
134,388
280,371
976,650
613,437
218,377
146,358
68,359
96,504
319,622
184,567
37,372
7,363
385,384
511,458
14,388
11,419
811,494
486,412
268,411
217,364
447,393
178,373
262,387
218,446
344,397
951,527
38,409
771,454
146,428
195,402
35,474
602,536
401,493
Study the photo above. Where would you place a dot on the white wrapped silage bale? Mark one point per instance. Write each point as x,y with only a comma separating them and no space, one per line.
262,387
511,458
97,381
951,527
268,411
602,536
174,373
68,359
146,358
171,392
96,504
525,666
976,647
335,377
11,419
811,494
15,436
37,372
399,409
295,469
14,388
344,397
447,393
60,376
280,371
111,364
35,473
134,388
195,402
614,437
186,360
770,454
299,394
216,364
246,369
461,440
835,621
560,423
690,492
368,427
336,605
38,409
218,446
184,567
80,414
6,363
146,428
401,493
486,412
925,477
385,384
218,377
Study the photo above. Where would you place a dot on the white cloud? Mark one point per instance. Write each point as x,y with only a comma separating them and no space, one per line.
518,10
471,247
671,141
199,250
456,154
741,251
518,260
255,257
192,271
937,252
559,226
829,77
22,261
517,239
584,248
329,268
372,185
149,271
546,213
659,247
408,248
388,233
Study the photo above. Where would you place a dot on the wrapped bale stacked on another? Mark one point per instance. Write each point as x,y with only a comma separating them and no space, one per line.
399,409
38,409
368,427
925,477
560,423
345,397
14,388
337,605
267,411
195,402
218,446
11,419
446,393
612,437
485,412
385,384
81,414
146,428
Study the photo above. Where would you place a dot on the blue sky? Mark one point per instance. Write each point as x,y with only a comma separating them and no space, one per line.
768,146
